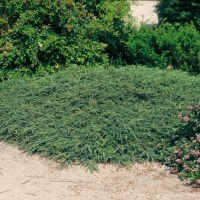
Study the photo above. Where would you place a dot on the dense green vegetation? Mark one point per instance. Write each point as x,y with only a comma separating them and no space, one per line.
183,155
178,46
179,11
37,37
95,115
41,37
96,111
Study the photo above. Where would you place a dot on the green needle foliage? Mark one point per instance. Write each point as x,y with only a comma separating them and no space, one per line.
95,115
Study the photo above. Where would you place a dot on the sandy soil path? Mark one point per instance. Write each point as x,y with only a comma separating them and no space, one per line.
25,177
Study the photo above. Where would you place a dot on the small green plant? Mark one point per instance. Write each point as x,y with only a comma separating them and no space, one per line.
184,155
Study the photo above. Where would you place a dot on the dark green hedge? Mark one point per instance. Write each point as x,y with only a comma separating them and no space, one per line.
178,46
179,11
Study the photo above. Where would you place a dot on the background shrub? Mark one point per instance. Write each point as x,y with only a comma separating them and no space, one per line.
176,45
179,11
42,36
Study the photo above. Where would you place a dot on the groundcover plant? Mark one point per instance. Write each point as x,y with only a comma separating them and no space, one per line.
96,115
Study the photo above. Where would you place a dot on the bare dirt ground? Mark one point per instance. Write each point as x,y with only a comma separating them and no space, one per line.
25,177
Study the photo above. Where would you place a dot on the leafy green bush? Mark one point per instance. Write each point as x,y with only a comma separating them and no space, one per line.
179,11
94,115
42,36
184,155
178,46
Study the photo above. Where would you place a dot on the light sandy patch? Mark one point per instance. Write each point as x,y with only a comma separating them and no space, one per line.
25,177
145,12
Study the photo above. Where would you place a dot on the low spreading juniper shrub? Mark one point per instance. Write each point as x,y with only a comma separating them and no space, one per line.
38,37
166,45
95,115
183,157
